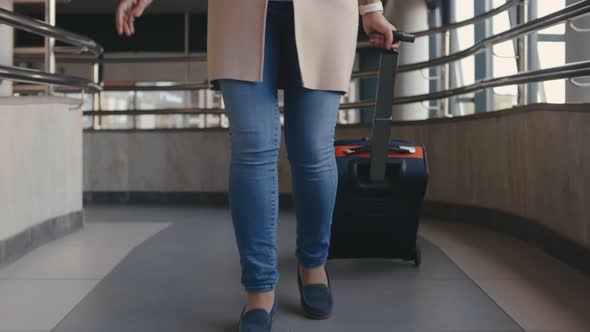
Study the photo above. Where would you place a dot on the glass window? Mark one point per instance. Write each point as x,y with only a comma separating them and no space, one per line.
552,54
546,7
464,39
504,60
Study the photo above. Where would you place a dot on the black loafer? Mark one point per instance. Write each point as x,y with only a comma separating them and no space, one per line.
258,320
316,299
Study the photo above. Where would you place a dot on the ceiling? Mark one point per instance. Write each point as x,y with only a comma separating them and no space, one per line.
109,6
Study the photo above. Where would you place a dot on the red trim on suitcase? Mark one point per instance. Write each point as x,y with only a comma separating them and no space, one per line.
340,152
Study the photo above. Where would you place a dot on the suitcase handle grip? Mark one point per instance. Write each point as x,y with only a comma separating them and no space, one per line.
399,36
359,172
403,37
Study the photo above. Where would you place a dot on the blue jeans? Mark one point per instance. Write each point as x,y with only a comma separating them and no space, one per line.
255,134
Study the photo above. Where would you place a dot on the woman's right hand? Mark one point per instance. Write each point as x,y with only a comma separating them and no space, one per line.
127,11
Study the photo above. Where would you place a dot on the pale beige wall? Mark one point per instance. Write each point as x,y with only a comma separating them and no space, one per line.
6,48
40,161
159,161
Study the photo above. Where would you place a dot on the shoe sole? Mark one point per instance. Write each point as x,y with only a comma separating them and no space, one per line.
307,312
311,315
274,317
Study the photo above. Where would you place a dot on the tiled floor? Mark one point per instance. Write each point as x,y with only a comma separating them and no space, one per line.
153,269
42,287
186,278
88,254
539,292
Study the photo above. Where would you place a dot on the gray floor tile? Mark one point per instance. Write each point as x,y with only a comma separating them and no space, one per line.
539,292
486,255
65,262
405,305
435,265
186,278
112,234
148,213
543,304
507,263
38,304
88,254
450,235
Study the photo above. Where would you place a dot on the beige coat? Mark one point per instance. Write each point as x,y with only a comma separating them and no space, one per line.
325,34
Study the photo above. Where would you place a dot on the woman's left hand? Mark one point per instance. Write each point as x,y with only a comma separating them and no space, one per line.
380,30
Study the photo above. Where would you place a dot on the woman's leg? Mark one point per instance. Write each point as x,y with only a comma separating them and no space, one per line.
309,124
254,128
310,118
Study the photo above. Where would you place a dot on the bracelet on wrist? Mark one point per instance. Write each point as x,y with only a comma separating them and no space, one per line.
372,7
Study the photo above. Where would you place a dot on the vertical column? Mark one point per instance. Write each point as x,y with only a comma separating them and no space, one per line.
50,42
577,48
525,49
410,16
454,70
484,100
522,51
435,18
533,54
6,49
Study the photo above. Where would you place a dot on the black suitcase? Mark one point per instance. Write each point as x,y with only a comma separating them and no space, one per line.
381,185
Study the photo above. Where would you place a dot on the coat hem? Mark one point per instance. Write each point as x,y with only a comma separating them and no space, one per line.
214,85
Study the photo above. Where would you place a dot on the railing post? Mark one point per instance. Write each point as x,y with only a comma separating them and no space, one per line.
484,62
533,55
96,120
444,74
521,49
50,42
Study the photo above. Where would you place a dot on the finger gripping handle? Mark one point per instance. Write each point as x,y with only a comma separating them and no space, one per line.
403,37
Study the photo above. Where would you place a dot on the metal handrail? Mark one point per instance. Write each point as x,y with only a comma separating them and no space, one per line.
125,86
572,70
69,55
469,21
576,28
131,86
578,83
140,59
37,76
571,11
178,111
36,53
41,28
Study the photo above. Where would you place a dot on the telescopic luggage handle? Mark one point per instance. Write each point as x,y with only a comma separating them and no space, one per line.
383,108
